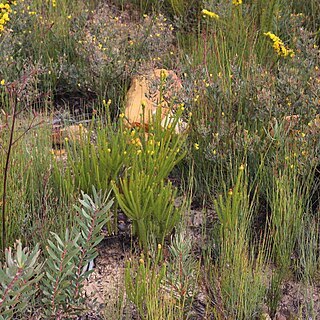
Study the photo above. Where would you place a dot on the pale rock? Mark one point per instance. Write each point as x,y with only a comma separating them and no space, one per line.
143,99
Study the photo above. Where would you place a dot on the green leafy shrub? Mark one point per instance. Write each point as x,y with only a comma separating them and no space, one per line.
149,205
69,257
233,100
100,162
183,272
19,276
87,53
60,279
142,192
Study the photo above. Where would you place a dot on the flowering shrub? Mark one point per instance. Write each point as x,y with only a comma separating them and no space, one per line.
116,46
5,11
82,52
236,99
279,46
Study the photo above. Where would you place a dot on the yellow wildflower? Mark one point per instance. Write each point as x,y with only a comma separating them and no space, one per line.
236,2
138,142
279,46
196,146
2,82
5,16
210,14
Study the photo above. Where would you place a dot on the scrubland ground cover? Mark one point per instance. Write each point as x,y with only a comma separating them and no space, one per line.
220,221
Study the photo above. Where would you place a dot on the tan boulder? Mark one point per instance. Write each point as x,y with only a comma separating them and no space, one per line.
149,93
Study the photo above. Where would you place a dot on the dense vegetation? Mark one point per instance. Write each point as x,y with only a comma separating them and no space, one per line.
248,162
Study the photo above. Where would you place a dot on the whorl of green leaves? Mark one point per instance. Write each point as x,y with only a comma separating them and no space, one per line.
18,275
149,205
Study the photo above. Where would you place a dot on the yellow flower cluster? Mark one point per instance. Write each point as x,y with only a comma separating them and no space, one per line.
136,142
279,46
5,11
210,14
236,2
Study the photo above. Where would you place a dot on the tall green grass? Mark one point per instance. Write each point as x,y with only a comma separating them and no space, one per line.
237,278
35,204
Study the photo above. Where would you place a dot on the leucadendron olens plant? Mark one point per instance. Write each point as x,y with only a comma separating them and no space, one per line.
60,279
18,276
71,255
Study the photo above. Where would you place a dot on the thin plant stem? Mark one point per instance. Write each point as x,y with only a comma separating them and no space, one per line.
6,171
